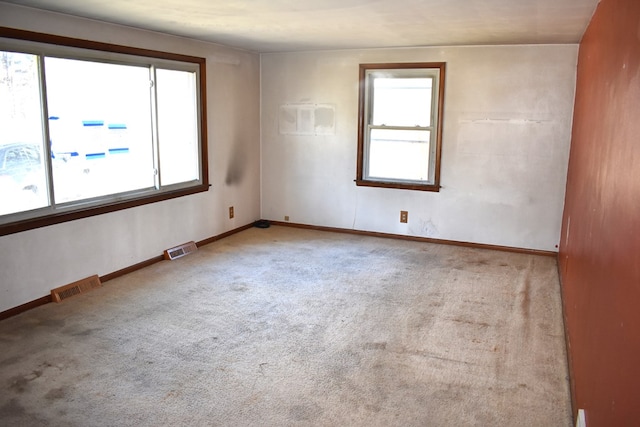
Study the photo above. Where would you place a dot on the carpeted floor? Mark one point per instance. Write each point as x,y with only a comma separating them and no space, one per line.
290,327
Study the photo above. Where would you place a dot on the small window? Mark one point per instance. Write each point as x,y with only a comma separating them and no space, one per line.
400,125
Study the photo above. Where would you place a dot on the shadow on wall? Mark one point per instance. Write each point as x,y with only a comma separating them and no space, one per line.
237,164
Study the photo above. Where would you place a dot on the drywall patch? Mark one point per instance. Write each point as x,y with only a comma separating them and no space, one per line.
324,122
507,134
307,119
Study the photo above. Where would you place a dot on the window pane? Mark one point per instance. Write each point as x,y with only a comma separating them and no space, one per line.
399,154
177,126
23,183
100,128
402,101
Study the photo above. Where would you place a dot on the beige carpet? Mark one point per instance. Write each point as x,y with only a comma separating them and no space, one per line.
289,327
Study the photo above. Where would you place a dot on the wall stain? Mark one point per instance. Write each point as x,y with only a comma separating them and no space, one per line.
237,165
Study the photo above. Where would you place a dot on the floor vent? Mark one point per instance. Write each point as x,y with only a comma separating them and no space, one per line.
180,251
81,286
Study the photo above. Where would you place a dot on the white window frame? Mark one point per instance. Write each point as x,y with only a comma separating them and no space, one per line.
368,72
69,48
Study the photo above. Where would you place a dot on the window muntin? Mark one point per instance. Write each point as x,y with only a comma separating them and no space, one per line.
399,138
123,126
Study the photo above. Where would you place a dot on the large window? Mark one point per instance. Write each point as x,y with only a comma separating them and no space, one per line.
88,128
400,125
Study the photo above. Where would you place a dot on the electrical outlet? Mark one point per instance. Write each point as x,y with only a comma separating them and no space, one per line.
231,212
286,217
404,216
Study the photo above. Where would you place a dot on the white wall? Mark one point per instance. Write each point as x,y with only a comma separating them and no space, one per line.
34,262
507,125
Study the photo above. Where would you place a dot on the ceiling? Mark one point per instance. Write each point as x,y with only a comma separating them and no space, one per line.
295,25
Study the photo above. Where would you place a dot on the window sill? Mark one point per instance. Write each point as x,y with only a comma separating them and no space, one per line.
57,218
398,185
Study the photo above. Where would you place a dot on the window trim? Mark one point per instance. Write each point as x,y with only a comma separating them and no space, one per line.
362,126
129,202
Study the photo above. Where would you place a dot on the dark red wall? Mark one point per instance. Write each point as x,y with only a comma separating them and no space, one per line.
600,241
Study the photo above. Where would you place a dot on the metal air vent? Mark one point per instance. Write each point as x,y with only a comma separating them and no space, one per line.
75,288
180,251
